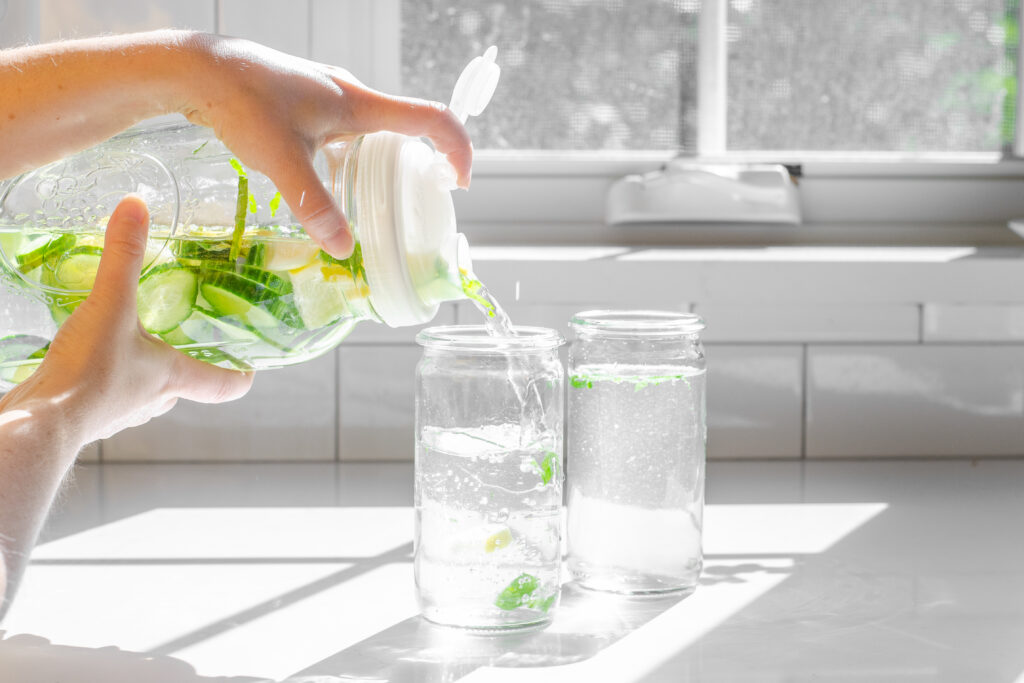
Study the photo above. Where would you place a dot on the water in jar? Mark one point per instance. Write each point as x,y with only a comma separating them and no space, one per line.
636,488
488,510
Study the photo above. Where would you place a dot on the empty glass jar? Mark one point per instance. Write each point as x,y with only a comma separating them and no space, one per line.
636,445
488,494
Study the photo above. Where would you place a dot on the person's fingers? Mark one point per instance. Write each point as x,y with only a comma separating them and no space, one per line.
124,249
195,380
412,116
314,207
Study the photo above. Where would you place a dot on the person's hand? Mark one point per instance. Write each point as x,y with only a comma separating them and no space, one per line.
103,371
274,111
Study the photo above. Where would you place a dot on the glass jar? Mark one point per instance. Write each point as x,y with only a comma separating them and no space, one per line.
488,492
636,449
230,276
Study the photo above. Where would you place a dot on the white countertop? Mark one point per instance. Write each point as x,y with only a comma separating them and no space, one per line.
878,570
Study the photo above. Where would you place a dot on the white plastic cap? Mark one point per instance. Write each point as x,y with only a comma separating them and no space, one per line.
476,85
473,92
414,257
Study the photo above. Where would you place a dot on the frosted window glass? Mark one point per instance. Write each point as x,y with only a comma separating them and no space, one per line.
822,75
576,75
892,75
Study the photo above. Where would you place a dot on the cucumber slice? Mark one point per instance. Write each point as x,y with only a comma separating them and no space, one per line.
218,357
19,347
177,337
10,242
15,374
202,250
20,355
283,254
275,285
205,327
62,310
227,303
262,303
75,270
36,251
166,296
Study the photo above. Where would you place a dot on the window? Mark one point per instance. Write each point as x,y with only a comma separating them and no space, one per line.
910,76
896,111
889,75
575,75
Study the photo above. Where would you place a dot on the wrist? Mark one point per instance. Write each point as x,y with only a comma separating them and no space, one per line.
46,415
176,64
195,62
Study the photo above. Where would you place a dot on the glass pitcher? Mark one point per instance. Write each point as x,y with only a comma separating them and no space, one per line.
229,276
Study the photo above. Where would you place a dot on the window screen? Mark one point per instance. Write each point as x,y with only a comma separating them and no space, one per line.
892,75
576,74
822,75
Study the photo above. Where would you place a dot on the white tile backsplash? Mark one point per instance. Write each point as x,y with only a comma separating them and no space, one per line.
376,402
754,401
972,323
915,400
289,414
614,284
810,323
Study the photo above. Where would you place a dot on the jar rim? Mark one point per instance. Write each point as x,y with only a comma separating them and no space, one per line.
476,338
637,322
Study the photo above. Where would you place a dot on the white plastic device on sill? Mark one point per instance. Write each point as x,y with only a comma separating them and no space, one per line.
690,191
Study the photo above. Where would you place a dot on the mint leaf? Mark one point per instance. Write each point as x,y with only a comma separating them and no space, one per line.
240,206
275,204
237,165
542,604
253,206
517,593
548,468
580,382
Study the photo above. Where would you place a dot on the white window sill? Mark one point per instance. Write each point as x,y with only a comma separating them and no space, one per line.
666,277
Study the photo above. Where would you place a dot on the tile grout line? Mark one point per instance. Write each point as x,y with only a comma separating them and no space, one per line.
337,405
803,402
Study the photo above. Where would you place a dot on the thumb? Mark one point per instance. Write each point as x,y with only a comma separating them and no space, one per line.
314,207
124,248
195,380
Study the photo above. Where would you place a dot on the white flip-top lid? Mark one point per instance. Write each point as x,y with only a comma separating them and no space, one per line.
412,252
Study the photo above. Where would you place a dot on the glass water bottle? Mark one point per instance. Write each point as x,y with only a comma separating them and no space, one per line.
230,276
